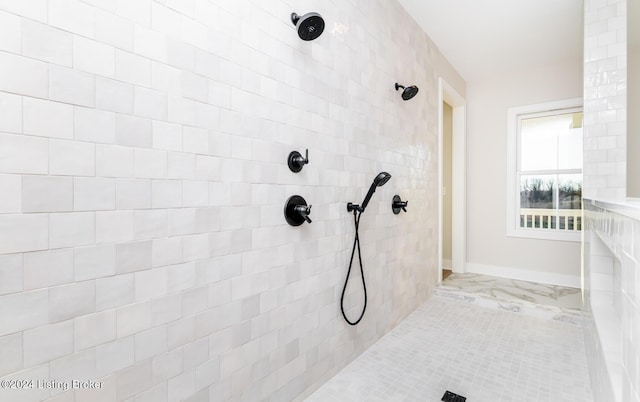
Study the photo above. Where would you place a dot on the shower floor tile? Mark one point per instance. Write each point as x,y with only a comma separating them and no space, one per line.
486,355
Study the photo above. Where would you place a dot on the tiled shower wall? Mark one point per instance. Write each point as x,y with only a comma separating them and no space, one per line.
614,369
605,91
143,150
611,267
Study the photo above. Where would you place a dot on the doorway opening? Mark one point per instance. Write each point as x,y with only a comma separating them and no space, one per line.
447,157
452,179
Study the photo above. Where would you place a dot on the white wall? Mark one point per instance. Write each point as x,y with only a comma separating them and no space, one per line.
143,175
489,250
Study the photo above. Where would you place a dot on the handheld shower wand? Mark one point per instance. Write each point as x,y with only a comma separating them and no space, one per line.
381,179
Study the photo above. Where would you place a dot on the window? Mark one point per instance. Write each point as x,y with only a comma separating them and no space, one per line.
544,199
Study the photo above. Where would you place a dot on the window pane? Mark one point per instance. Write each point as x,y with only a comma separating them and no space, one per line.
570,144
570,191
536,191
551,202
551,142
537,202
538,145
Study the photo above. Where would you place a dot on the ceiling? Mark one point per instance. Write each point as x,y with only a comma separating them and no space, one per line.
492,37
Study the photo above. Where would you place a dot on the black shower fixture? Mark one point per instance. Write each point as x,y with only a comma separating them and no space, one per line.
296,161
379,181
397,204
309,26
296,211
408,92
357,210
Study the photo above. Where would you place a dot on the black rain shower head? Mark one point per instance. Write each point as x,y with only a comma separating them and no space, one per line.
408,92
309,26
381,179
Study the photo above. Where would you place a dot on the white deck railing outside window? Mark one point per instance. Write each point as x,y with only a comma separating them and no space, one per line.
553,219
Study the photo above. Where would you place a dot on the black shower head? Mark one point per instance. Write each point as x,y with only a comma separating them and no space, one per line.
381,179
309,26
408,92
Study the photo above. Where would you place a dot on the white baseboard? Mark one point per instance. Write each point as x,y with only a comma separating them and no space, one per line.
550,278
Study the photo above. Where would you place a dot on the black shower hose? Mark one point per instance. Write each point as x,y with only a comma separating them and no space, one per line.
356,243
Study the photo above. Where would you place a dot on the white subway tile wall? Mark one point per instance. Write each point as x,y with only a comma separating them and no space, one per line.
605,94
143,174
605,114
609,240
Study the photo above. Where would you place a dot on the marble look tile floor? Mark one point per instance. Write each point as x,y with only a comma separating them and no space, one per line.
535,299
550,295
484,354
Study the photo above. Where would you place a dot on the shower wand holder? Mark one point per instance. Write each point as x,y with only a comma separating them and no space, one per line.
398,205
296,211
296,161
354,207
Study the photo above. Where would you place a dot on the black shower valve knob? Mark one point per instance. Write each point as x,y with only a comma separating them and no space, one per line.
296,211
302,160
397,204
304,211
296,161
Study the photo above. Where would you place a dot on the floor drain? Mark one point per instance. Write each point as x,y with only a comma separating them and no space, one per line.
451,397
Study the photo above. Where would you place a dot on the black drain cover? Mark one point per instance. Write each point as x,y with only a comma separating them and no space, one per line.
451,397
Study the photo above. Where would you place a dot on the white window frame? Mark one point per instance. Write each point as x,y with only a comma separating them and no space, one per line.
513,188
